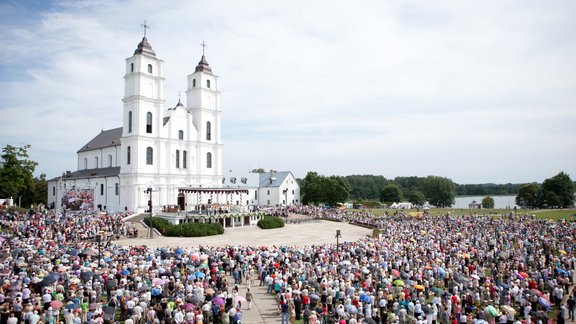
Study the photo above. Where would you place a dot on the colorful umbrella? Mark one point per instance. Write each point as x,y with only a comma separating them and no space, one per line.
544,302
109,310
490,310
188,307
218,301
56,304
536,292
72,306
509,310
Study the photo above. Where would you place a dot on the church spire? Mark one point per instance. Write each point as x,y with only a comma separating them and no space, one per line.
203,64
144,47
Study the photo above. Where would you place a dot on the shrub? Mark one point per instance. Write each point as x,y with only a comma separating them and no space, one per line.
269,222
185,230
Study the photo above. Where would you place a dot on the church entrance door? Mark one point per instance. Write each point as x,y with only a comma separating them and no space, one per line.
181,201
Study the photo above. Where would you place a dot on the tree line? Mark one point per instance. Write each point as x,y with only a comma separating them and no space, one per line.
438,191
556,192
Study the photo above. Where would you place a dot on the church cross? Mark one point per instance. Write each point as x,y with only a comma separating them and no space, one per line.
203,47
146,26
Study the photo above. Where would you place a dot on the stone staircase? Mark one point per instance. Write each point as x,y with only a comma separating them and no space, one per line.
136,222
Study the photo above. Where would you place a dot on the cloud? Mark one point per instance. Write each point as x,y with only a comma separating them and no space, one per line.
476,91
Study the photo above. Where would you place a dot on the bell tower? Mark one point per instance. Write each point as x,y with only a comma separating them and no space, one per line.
203,102
143,105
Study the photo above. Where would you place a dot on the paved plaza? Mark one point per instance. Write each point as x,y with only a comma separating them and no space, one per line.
319,232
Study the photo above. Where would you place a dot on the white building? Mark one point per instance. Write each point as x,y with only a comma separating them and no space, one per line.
175,152
275,188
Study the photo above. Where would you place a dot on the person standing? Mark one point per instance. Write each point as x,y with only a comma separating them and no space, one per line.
284,312
571,304
527,313
249,298
297,306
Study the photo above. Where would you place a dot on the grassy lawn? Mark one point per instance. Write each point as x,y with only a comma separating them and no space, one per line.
553,214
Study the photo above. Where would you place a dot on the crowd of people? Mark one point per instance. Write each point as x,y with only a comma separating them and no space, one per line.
441,269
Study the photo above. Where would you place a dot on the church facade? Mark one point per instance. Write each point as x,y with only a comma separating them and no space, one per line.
157,155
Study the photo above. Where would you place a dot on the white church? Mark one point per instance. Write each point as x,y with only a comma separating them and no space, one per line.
171,157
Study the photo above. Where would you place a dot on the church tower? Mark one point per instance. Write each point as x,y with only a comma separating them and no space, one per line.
203,102
143,116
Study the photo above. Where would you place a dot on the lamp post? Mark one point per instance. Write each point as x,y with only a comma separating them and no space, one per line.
150,231
99,241
338,236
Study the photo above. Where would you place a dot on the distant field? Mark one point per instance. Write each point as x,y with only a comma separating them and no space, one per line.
554,214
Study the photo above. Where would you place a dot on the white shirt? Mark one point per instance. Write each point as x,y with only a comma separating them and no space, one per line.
179,317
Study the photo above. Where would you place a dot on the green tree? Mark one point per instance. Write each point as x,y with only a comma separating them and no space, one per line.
409,184
335,189
16,171
488,202
549,199
528,196
311,188
439,190
416,197
366,186
36,192
391,193
319,189
558,191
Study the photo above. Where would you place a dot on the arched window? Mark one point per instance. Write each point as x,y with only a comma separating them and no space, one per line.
184,159
149,68
180,134
131,67
128,155
109,160
208,131
177,158
209,160
194,83
130,122
96,162
85,163
207,83
149,155
149,122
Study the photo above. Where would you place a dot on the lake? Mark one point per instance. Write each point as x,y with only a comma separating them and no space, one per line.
500,202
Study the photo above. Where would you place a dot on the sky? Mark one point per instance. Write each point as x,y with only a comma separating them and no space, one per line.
475,91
